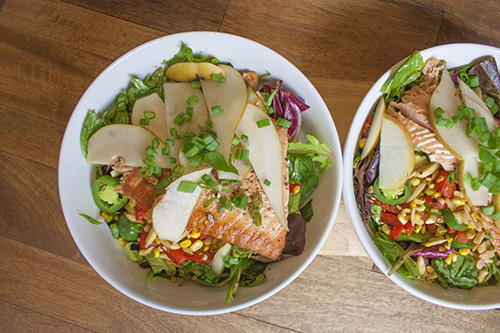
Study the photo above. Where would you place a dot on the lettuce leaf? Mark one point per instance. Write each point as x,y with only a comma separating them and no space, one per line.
90,125
406,74
322,154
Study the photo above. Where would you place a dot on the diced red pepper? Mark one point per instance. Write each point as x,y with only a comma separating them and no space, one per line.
179,256
366,126
408,227
389,218
390,208
451,231
144,234
434,202
462,237
396,231
443,186
141,214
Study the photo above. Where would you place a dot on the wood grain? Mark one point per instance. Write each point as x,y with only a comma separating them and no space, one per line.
50,52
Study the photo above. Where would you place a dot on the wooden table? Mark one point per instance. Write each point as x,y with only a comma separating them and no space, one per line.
51,50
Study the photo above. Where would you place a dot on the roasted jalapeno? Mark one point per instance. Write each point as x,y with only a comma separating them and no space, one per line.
105,196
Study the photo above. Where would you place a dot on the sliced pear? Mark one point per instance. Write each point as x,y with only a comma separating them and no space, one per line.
154,103
374,134
126,141
396,154
266,156
190,71
470,166
218,260
472,100
233,97
445,96
171,213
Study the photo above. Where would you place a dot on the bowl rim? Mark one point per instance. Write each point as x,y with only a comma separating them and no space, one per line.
363,233
185,37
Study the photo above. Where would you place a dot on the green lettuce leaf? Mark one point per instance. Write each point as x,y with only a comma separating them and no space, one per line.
406,74
321,153
90,125
460,274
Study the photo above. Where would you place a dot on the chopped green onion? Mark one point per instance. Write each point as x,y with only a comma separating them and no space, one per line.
217,109
195,84
445,122
151,151
209,201
439,112
144,172
180,170
187,187
218,78
114,230
192,151
195,161
174,133
264,76
241,154
189,113
172,160
489,180
263,123
192,99
488,210
283,122
169,141
257,202
451,177
148,115
267,182
149,160
235,141
212,145
155,170
244,137
257,218
207,182
179,119
165,150
473,81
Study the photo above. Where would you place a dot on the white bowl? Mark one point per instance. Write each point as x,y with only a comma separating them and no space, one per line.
106,256
480,298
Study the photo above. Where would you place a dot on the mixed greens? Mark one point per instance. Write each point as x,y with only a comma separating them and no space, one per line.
441,222
192,257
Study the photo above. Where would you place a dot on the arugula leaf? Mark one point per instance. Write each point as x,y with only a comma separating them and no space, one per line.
407,73
322,154
392,252
218,162
460,274
90,125
301,171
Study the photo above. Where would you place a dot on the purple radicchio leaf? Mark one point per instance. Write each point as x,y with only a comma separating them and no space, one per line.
433,252
371,172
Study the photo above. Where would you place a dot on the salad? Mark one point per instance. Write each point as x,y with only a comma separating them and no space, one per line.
427,172
199,173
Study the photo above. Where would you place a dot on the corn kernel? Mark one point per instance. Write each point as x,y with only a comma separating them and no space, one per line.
441,231
386,229
442,248
185,243
196,245
361,143
157,241
106,216
206,248
296,189
181,273
415,181
431,186
173,279
122,241
195,234
156,252
458,201
464,251
440,179
429,192
430,269
449,259
441,200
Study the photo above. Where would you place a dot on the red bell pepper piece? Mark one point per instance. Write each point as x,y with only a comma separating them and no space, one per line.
434,202
462,237
144,234
179,256
295,188
443,186
390,208
451,231
408,227
397,231
389,218
141,214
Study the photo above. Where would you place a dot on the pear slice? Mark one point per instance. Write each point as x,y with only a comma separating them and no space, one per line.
255,99
190,71
126,141
472,100
232,95
470,166
218,260
154,103
376,125
171,213
445,96
397,155
266,156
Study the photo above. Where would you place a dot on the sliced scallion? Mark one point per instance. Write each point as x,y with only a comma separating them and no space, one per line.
217,109
283,122
263,123
241,154
187,187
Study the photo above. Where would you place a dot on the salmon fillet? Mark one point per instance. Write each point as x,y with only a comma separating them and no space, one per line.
237,226
426,141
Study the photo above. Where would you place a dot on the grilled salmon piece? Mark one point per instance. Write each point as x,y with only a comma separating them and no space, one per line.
237,226
141,189
426,141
